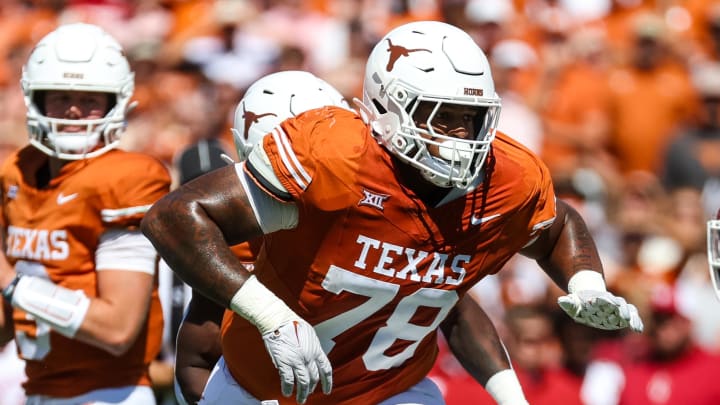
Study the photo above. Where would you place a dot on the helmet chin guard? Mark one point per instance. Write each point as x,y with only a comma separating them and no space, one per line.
431,62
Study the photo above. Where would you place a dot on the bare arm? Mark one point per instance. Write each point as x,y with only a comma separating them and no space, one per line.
198,346
116,316
567,253
473,340
566,247
192,226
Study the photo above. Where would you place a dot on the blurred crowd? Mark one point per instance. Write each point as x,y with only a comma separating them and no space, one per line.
621,99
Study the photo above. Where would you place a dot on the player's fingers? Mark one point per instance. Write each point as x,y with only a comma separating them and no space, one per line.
325,370
636,322
302,381
570,304
287,379
314,376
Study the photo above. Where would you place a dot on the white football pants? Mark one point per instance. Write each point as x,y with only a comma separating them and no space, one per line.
221,388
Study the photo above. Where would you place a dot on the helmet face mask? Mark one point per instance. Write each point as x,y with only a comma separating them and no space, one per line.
77,57
446,159
274,98
431,62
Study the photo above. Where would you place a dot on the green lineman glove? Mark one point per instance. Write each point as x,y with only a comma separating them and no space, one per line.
589,303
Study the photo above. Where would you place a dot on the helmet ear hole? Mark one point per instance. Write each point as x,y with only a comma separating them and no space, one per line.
379,107
401,95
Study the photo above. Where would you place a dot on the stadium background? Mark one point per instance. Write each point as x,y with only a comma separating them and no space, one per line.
621,98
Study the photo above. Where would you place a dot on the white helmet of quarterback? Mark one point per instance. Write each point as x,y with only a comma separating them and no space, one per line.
276,97
431,62
77,57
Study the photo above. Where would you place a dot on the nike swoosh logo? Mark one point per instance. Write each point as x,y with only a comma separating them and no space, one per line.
62,199
477,221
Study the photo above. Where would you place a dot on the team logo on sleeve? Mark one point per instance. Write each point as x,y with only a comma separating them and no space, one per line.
373,199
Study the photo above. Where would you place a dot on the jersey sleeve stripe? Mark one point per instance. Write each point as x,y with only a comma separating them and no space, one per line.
290,160
543,224
112,215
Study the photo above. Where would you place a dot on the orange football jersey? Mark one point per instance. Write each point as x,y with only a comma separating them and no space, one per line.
54,232
369,265
247,251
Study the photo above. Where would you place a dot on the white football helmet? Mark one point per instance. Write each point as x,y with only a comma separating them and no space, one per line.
713,252
276,97
430,61
79,57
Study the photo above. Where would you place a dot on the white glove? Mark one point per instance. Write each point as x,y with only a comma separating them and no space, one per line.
589,303
296,352
292,343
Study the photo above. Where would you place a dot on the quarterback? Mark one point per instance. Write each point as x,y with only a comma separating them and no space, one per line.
374,227
78,276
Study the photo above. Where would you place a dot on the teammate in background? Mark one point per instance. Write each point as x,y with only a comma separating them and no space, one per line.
77,271
269,101
375,228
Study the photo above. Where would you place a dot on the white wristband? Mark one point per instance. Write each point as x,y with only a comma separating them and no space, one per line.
254,302
505,388
586,280
61,308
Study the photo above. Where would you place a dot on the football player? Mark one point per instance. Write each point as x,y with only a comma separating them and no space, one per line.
375,226
269,101
79,275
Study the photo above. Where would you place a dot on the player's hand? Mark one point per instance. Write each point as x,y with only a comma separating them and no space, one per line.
601,309
296,352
